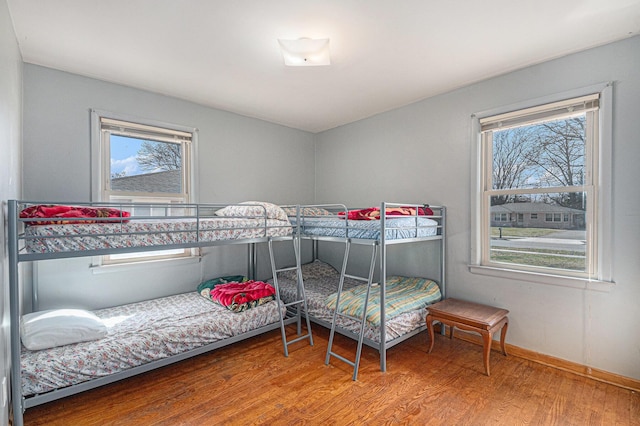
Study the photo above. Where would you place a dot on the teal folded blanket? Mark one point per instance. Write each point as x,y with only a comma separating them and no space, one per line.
403,294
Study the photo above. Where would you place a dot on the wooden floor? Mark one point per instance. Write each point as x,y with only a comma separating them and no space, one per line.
253,383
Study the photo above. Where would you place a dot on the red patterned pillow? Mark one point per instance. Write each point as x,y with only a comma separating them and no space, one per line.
55,214
373,213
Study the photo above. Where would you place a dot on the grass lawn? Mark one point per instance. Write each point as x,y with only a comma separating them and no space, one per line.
521,232
559,259
546,258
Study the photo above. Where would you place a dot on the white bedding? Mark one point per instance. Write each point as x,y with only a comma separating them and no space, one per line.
395,228
141,233
139,333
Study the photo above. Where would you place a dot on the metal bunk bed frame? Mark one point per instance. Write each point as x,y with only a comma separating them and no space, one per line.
15,239
379,253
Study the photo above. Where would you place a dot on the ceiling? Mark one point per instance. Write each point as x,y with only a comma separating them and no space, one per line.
384,54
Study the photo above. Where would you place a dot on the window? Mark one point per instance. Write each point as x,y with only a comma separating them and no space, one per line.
141,162
500,217
552,217
545,158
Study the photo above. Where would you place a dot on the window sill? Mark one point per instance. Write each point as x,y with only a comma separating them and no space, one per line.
539,278
123,267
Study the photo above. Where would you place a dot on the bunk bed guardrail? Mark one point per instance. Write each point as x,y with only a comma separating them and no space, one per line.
146,226
95,229
401,223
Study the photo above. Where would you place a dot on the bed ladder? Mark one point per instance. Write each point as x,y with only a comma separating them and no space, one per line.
369,280
300,304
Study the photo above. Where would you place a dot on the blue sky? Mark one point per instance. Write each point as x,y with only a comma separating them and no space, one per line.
123,155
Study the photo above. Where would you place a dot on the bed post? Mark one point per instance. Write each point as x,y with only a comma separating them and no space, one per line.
443,250
251,266
443,227
14,307
383,287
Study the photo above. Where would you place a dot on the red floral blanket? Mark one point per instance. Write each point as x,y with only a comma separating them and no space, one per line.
373,213
57,211
238,297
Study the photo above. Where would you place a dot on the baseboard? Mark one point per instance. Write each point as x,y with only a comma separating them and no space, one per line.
561,364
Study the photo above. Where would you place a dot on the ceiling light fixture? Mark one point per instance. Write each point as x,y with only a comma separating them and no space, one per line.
305,52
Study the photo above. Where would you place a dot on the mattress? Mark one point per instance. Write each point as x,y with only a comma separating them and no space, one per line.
140,333
142,233
321,280
396,228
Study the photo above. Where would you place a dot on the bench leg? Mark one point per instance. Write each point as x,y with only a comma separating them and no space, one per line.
486,348
431,334
503,334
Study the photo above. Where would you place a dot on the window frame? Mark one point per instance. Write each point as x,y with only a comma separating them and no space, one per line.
100,181
600,278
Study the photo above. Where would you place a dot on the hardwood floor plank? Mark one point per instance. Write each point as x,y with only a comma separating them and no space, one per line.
634,409
252,383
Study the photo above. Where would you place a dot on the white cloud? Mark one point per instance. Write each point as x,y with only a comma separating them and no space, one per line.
129,165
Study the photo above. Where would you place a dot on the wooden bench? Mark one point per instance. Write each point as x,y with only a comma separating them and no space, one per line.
470,316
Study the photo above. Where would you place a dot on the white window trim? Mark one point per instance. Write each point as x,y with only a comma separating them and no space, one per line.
97,189
96,141
604,280
99,268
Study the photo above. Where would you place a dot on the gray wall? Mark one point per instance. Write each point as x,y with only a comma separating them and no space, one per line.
238,159
10,163
422,153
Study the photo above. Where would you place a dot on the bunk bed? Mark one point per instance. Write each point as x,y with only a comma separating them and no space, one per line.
58,353
389,325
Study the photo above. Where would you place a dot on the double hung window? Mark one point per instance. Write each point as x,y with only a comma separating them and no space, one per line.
138,162
543,161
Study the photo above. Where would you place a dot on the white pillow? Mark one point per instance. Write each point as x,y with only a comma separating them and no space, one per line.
58,327
252,209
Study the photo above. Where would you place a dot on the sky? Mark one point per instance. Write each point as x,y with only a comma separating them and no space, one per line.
123,155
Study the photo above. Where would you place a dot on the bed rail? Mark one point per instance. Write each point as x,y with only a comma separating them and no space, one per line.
36,233
401,223
137,227
326,222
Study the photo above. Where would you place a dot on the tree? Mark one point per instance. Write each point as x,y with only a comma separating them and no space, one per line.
559,152
159,156
548,154
510,161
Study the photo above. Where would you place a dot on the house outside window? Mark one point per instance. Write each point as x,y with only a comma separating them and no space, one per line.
146,163
529,212
500,217
552,217
544,161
